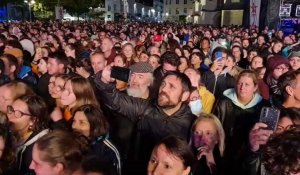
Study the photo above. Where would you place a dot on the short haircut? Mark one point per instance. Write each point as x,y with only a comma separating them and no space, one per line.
179,148
171,58
287,79
281,154
185,81
60,57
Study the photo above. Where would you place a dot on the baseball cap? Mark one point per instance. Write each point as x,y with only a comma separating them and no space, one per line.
157,38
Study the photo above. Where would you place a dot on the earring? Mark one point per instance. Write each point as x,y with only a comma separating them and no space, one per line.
30,128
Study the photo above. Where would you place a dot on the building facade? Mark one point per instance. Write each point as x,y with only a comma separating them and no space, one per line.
113,10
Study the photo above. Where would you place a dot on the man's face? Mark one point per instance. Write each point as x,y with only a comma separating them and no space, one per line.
170,92
101,35
205,44
139,84
295,62
277,47
98,63
168,67
261,40
52,66
106,45
154,50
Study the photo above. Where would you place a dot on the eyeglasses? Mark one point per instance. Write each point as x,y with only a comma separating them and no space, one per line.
282,68
17,113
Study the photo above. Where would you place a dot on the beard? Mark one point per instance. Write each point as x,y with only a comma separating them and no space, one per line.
136,92
165,102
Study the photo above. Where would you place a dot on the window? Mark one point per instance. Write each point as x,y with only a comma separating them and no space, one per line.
177,1
108,8
170,2
115,7
185,10
177,11
170,12
184,1
166,2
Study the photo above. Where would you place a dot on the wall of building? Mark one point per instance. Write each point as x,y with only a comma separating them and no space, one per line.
113,9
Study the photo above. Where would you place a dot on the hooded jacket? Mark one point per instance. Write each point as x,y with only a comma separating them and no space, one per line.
237,120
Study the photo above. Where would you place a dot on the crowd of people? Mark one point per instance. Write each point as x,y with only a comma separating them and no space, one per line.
191,105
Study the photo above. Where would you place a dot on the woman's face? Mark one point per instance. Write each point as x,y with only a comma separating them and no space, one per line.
69,52
183,65
51,85
206,134
283,124
256,62
45,52
42,66
245,87
58,88
118,61
163,162
128,51
229,62
6,98
144,57
19,116
41,167
279,70
153,61
68,97
81,124
178,52
195,60
295,63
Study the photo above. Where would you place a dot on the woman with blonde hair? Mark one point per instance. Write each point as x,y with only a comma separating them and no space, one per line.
207,142
238,111
77,91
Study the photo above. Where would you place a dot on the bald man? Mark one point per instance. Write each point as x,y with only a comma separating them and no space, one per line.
108,50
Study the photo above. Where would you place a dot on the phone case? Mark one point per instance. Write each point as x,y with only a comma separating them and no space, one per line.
270,116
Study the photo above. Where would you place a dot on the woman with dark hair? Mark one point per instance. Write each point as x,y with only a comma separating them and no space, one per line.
89,121
29,119
197,62
7,152
171,156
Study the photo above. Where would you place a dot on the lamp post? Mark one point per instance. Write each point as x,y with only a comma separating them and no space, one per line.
29,3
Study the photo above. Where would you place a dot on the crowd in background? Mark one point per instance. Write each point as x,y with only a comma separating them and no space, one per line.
191,105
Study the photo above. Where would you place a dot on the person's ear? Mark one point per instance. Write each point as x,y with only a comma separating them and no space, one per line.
289,90
58,168
12,68
185,96
187,171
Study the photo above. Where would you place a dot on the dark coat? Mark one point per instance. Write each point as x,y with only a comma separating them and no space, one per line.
237,123
152,123
218,84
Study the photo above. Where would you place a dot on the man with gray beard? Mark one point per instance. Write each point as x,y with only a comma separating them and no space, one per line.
141,79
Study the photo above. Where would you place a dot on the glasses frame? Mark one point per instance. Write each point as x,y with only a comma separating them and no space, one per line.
11,110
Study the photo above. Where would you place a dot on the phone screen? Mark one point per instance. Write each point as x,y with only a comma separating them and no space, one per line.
120,73
270,116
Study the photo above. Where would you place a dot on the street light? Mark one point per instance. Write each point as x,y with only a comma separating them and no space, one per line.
29,7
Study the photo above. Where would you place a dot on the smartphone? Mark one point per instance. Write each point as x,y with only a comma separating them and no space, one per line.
270,117
120,73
